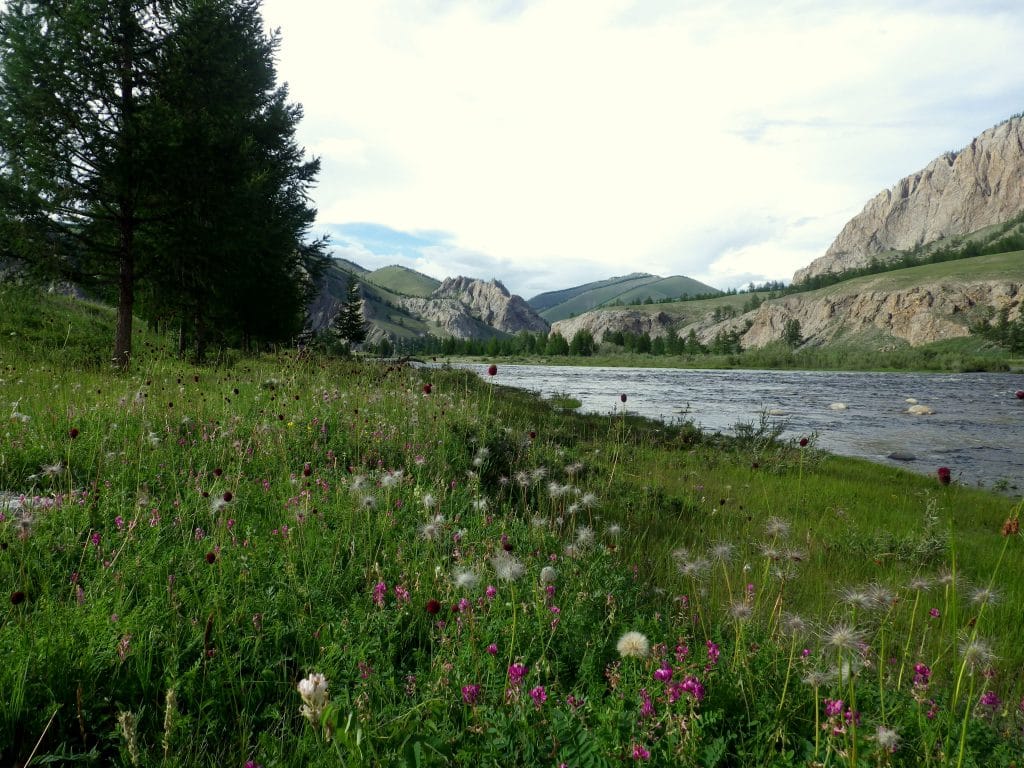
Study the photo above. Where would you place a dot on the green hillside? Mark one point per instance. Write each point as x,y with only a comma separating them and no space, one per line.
551,299
635,288
666,288
403,280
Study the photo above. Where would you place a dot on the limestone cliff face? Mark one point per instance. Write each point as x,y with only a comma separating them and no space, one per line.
956,194
611,320
919,315
460,305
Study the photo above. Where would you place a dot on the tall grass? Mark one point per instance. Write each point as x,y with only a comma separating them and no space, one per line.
181,547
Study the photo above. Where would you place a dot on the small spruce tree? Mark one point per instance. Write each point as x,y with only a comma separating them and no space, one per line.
349,323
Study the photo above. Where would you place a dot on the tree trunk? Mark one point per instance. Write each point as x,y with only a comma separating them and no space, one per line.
125,298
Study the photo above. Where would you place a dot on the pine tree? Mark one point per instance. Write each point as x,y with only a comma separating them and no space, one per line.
75,82
349,323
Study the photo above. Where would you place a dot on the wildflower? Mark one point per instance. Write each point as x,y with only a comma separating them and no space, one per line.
776,527
713,653
548,575
465,579
589,500
470,693
740,611
427,389
663,673
313,690
990,700
692,569
934,613
613,531
433,607
694,687
793,624
17,597
646,705
368,502
922,674
945,476
833,707
984,596
920,584
53,470
539,696
211,557
977,654
1011,527
73,433
507,567
516,673
492,649
722,552
429,501
492,370
633,644
843,637
584,537
639,753
490,592
803,442
380,589
392,479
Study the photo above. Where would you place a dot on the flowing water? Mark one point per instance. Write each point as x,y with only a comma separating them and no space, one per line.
976,428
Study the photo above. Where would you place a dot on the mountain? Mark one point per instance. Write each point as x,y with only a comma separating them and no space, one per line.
955,194
400,303
917,305
636,287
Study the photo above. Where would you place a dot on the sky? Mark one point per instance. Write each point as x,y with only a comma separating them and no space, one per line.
549,143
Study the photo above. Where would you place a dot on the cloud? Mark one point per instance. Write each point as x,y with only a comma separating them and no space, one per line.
632,135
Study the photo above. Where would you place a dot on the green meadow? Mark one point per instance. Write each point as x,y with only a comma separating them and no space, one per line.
296,560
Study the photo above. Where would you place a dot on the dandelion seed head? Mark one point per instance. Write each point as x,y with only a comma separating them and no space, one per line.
722,552
507,567
548,575
843,637
887,738
977,654
584,536
633,645
465,579
776,527
740,611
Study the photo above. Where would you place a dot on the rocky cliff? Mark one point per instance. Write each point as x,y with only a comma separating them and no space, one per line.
461,304
920,314
956,194
606,321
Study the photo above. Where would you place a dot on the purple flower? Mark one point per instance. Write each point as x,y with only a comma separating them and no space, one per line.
664,673
990,700
713,653
693,686
922,674
379,591
934,613
492,649
539,696
833,707
646,705
516,673
639,753
470,693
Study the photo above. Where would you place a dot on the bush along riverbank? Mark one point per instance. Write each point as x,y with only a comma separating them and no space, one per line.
317,562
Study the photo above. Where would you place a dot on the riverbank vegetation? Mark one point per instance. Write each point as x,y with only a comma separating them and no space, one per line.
294,560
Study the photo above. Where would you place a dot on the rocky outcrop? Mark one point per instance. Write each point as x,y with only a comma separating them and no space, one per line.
611,320
956,194
918,315
461,305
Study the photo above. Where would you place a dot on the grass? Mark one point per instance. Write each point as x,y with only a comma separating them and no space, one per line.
181,546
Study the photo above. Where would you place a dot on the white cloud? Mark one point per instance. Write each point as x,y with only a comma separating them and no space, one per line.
617,133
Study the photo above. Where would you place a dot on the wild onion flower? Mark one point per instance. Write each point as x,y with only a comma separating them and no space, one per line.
633,644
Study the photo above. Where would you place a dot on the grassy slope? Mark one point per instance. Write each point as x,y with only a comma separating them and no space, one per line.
586,301
402,280
230,611
666,288
550,299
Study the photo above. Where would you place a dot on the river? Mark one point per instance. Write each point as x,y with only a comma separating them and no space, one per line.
976,428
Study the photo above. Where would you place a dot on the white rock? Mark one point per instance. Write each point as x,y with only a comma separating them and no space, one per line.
838,407
920,410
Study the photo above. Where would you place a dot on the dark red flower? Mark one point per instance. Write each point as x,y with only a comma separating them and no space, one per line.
73,433
228,496
211,557
533,435
17,597
803,442
218,472
1020,394
945,476
433,606
622,397
492,370
427,389
307,469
